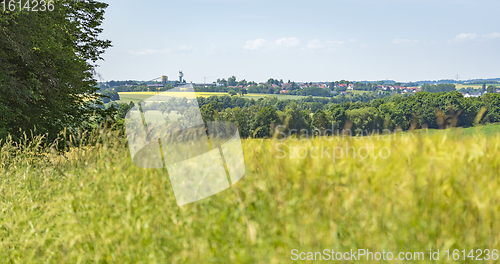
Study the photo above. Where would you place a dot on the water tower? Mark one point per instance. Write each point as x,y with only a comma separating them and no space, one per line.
181,74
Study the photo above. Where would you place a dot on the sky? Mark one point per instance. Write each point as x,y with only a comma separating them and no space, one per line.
302,40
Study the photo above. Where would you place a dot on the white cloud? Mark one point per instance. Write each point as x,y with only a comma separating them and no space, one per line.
400,41
184,48
288,42
212,49
492,35
315,44
353,40
465,36
330,45
255,44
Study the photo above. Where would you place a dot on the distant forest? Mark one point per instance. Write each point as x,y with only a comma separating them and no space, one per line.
257,118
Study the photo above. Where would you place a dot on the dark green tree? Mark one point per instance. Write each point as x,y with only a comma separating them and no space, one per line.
47,67
261,124
110,95
337,116
364,120
491,89
209,111
123,109
320,120
294,118
242,92
231,81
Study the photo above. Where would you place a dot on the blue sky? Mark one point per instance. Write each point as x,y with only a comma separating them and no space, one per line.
298,40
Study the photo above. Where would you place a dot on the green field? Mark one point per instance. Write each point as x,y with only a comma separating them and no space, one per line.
358,92
134,97
475,86
92,205
485,130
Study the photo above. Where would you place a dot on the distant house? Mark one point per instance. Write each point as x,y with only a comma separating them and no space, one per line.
473,94
284,91
156,85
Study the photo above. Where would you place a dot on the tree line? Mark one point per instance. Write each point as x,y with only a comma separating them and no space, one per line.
422,110
260,118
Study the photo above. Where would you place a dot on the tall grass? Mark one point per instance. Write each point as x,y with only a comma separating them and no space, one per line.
90,204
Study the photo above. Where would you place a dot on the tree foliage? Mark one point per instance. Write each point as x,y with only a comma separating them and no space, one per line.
47,63
438,88
110,95
422,110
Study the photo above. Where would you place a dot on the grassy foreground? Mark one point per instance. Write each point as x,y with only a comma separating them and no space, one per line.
91,205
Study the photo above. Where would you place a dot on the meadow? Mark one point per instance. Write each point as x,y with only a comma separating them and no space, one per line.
475,86
359,92
488,130
90,204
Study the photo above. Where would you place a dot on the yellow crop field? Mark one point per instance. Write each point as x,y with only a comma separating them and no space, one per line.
409,193
176,94
126,97
475,86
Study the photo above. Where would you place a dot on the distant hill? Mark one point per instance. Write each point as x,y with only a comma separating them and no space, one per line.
473,81
444,81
